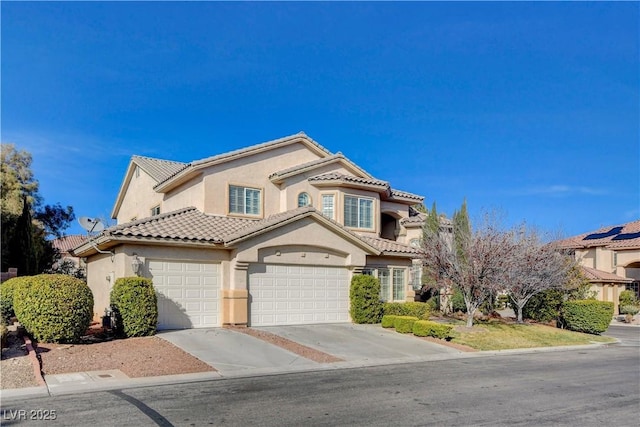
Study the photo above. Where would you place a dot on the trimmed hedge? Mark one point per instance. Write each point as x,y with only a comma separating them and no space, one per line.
364,296
404,324
589,316
135,303
420,310
426,328
53,307
6,298
388,321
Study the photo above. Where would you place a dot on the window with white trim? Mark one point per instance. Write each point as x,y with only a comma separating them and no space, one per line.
244,200
304,200
328,205
155,210
358,212
392,282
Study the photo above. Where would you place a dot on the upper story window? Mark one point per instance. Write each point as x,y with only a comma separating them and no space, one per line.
304,200
358,212
328,206
155,210
244,200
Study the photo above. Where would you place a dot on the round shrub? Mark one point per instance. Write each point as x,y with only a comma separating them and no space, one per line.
420,310
53,307
6,298
136,305
404,324
544,307
426,328
630,309
388,321
627,297
364,296
589,316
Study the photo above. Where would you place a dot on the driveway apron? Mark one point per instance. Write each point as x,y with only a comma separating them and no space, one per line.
234,353
360,343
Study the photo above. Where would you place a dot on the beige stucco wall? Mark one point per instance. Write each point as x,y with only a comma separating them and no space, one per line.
252,171
190,193
139,198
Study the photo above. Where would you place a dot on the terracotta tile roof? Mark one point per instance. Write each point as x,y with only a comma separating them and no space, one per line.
158,169
191,225
405,195
66,243
389,247
303,166
335,176
417,220
599,276
625,236
187,224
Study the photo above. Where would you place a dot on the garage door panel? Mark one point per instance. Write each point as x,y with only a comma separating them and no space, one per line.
288,295
187,294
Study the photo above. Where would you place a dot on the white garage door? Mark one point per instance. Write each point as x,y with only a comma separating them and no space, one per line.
295,295
187,294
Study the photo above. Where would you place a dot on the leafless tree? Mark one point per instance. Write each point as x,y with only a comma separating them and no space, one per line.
472,261
534,266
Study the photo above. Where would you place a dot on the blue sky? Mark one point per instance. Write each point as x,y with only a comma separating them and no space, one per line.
532,109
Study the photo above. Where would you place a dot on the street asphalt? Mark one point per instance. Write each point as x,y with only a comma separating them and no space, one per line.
237,355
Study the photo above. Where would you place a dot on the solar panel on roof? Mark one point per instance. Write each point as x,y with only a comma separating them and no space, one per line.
626,236
614,231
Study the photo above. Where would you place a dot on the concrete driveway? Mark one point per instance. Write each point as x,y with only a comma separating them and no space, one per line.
233,353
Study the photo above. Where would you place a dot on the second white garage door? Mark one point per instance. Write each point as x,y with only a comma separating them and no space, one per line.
187,294
296,295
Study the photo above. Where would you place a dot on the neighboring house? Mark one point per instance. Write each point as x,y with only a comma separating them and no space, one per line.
610,259
266,235
64,245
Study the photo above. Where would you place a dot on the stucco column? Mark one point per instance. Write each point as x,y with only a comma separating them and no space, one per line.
235,300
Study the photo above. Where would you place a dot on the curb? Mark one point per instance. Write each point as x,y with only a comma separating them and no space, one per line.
35,362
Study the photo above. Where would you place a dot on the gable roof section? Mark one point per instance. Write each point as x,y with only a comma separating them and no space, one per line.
625,236
389,247
279,176
157,169
194,167
280,219
599,276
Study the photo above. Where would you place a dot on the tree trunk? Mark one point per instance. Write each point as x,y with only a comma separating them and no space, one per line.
470,312
520,307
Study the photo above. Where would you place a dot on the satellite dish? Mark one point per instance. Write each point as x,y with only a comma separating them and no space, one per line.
92,225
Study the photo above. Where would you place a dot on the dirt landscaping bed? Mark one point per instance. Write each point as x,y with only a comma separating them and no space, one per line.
136,357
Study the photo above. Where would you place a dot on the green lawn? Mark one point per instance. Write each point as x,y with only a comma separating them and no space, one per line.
501,336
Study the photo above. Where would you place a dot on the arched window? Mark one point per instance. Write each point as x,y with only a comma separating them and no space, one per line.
303,200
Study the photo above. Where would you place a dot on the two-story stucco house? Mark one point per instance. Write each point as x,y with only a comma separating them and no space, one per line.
610,259
266,235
